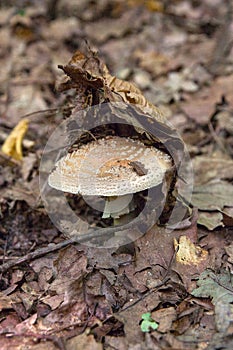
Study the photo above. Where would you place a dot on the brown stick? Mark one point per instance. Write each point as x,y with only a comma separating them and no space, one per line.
51,248
102,232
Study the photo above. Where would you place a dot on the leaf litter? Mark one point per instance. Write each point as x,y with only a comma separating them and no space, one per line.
80,297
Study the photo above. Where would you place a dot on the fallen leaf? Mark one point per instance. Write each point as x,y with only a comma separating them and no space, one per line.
210,220
5,302
164,317
190,261
27,192
213,196
208,168
202,105
218,287
12,147
229,251
154,62
188,253
28,164
83,342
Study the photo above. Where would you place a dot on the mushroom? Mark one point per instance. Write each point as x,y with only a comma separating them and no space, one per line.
112,167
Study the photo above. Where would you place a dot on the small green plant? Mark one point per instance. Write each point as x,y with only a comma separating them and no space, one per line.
21,12
148,322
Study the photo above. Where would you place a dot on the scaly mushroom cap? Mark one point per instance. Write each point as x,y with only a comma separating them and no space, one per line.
111,166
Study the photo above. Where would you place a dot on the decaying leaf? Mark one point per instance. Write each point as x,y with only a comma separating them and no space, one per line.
207,168
220,289
89,73
5,302
210,220
12,147
229,251
214,195
188,253
83,342
190,261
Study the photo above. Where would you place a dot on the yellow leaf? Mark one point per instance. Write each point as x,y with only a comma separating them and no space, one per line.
154,6
151,5
12,147
189,253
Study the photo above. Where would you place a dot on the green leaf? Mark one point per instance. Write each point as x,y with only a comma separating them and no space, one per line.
148,323
21,12
147,316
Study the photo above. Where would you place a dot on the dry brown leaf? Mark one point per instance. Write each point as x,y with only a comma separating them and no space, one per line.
88,72
207,168
83,342
202,105
131,94
164,317
5,302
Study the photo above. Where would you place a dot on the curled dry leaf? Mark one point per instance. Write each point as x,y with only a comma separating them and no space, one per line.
90,73
95,85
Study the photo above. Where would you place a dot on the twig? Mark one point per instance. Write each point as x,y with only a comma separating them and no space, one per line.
162,283
100,233
51,248
216,138
32,114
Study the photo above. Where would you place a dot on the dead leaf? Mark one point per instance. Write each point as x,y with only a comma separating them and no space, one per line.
152,61
213,196
210,220
188,253
12,147
83,342
131,94
28,192
28,164
90,72
5,302
164,317
202,105
191,260
219,288
106,28
151,5
207,168
229,251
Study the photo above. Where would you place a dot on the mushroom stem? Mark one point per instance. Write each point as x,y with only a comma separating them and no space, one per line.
117,206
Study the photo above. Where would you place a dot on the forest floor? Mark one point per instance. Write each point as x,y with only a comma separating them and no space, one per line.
169,289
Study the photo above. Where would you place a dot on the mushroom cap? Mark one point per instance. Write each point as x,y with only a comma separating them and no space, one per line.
110,166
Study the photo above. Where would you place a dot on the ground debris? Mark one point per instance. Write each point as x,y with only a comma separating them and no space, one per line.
61,294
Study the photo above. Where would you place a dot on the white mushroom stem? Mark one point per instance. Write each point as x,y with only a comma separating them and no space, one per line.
118,206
